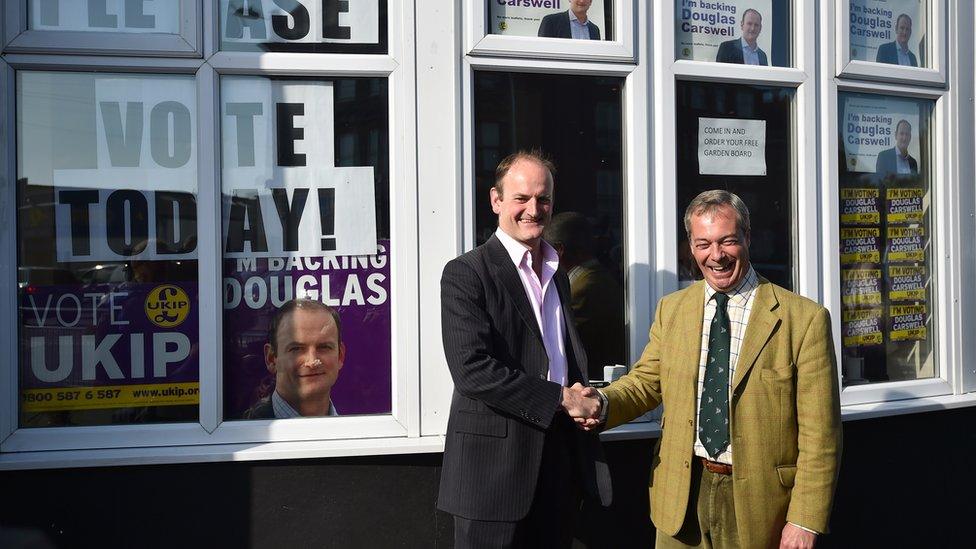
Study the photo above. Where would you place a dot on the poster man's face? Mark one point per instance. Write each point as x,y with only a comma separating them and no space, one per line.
580,6
751,27
903,30
721,251
903,137
309,356
525,203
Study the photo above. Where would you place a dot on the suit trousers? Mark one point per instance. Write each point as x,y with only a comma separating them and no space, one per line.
710,519
555,505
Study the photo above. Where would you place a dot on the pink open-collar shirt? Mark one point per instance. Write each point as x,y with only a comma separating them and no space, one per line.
544,299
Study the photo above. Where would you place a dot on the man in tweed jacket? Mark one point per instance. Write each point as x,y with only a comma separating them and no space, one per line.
514,463
770,480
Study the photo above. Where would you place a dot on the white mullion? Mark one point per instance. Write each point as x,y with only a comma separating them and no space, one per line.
9,365
664,201
209,251
210,28
404,284
729,73
467,216
545,66
944,243
303,64
806,203
90,63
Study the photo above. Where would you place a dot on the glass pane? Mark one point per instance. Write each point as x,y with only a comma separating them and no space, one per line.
745,32
886,237
889,31
569,20
116,16
739,138
323,26
107,270
582,133
306,215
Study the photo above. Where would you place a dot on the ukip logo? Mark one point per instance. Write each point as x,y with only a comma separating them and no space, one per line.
167,306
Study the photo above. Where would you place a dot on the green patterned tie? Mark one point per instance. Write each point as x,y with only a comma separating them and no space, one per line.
713,414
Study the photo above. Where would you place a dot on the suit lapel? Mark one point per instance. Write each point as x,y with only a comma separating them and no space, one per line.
762,323
504,269
565,302
688,321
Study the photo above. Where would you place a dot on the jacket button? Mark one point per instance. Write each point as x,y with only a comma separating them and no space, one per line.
687,465
691,423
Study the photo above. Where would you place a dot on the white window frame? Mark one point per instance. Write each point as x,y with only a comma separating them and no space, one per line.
933,75
211,437
479,41
18,38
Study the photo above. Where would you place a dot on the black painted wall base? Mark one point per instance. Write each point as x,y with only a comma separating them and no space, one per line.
906,481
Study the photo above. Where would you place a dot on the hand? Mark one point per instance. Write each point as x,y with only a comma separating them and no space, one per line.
795,537
580,402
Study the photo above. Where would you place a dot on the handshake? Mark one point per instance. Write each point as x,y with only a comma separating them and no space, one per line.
583,404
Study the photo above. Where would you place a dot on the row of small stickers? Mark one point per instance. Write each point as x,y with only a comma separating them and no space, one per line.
862,206
862,287
863,245
863,327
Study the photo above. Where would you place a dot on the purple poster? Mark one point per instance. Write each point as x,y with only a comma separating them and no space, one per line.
357,287
108,346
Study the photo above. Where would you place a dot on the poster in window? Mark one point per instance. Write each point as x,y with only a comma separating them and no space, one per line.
860,206
725,31
888,31
862,327
566,19
731,146
881,135
908,322
905,244
860,287
297,226
905,205
906,282
860,245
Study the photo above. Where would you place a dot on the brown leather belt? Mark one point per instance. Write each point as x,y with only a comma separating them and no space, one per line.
716,467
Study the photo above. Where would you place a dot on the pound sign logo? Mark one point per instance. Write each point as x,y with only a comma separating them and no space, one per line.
167,306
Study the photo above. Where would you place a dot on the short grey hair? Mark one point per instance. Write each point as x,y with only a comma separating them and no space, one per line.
710,201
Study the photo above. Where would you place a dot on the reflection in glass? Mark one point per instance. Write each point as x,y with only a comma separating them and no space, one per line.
107,270
114,16
577,121
744,32
305,179
738,138
889,31
885,232
572,20
315,27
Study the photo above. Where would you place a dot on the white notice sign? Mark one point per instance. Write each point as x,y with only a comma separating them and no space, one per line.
731,146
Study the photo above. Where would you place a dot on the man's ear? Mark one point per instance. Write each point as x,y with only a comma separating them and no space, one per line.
495,197
270,358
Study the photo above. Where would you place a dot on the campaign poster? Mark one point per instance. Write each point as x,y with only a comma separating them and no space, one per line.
297,226
904,205
703,26
117,16
860,245
524,17
860,206
103,346
731,146
906,244
357,287
880,28
907,282
860,287
869,128
301,25
862,327
907,322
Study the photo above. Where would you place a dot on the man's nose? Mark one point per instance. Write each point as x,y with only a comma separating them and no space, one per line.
716,253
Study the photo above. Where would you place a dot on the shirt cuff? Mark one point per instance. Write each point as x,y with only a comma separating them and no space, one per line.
604,406
814,532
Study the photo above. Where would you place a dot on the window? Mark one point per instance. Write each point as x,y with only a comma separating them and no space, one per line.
744,32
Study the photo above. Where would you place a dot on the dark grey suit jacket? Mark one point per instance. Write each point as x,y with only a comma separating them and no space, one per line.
556,25
730,51
503,406
888,53
887,165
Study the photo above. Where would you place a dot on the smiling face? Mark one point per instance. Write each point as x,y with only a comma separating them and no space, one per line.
306,360
720,248
524,203
903,29
903,136
751,26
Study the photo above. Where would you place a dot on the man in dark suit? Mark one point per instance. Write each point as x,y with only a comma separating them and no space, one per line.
896,160
570,24
745,50
514,463
897,52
